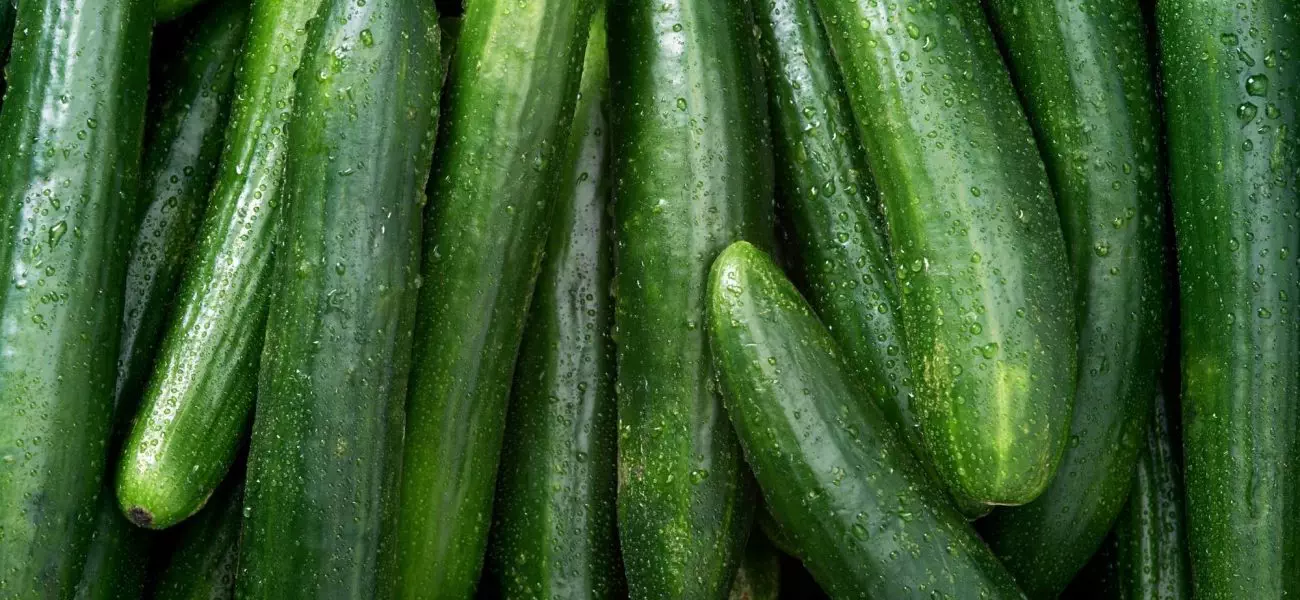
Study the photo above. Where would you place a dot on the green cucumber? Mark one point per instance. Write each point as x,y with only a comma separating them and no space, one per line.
986,287
202,564
1089,88
118,556
324,460
830,204
759,575
6,33
554,530
1233,112
508,107
70,136
195,411
1151,535
692,172
835,473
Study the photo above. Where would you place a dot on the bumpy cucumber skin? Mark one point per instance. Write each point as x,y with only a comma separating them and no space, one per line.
1232,110
1088,86
70,136
692,173
986,287
759,575
554,530
835,473
324,462
832,207
195,411
1151,534
203,563
508,107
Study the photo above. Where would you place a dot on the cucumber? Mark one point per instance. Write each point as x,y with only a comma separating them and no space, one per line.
118,555
493,184
554,530
1150,533
982,268
692,172
203,563
6,34
78,82
759,575
166,10
1232,114
862,513
324,460
831,206
1088,87
195,411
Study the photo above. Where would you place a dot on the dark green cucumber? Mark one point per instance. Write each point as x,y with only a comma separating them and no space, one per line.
986,287
1233,108
508,107
6,33
1089,88
862,513
70,136
325,458
692,172
118,556
1151,533
195,411
759,575
554,530
166,10
202,565
830,202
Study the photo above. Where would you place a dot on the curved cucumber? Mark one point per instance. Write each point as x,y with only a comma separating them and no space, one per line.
759,575
1233,113
693,172
862,513
508,108
1151,533
981,259
202,565
325,456
555,521
1089,90
196,406
71,130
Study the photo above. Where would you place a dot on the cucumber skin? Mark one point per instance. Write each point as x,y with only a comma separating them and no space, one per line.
491,197
1151,534
834,471
203,564
555,523
325,457
196,407
64,258
118,555
1088,87
975,236
1236,216
692,172
831,204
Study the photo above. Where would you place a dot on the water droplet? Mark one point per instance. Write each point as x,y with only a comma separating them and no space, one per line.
1257,85
367,39
1247,111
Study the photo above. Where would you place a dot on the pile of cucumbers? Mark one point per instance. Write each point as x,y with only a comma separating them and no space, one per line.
671,299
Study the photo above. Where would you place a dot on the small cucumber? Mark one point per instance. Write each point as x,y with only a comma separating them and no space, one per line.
835,473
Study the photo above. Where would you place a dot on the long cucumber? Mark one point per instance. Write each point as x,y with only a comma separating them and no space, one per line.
202,565
325,457
195,410
986,287
71,131
1233,112
1089,89
508,107
835,473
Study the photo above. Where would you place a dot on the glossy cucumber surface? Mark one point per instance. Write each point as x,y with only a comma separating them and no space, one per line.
981,261
324,461
71,131
1232,105
1088,86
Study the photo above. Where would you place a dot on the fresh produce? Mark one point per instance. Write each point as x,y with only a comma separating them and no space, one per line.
554,527
202,566
834,470
692,172
195,411
324,460
117,556
507,113
71,130
1090,94
1231,107
981,259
